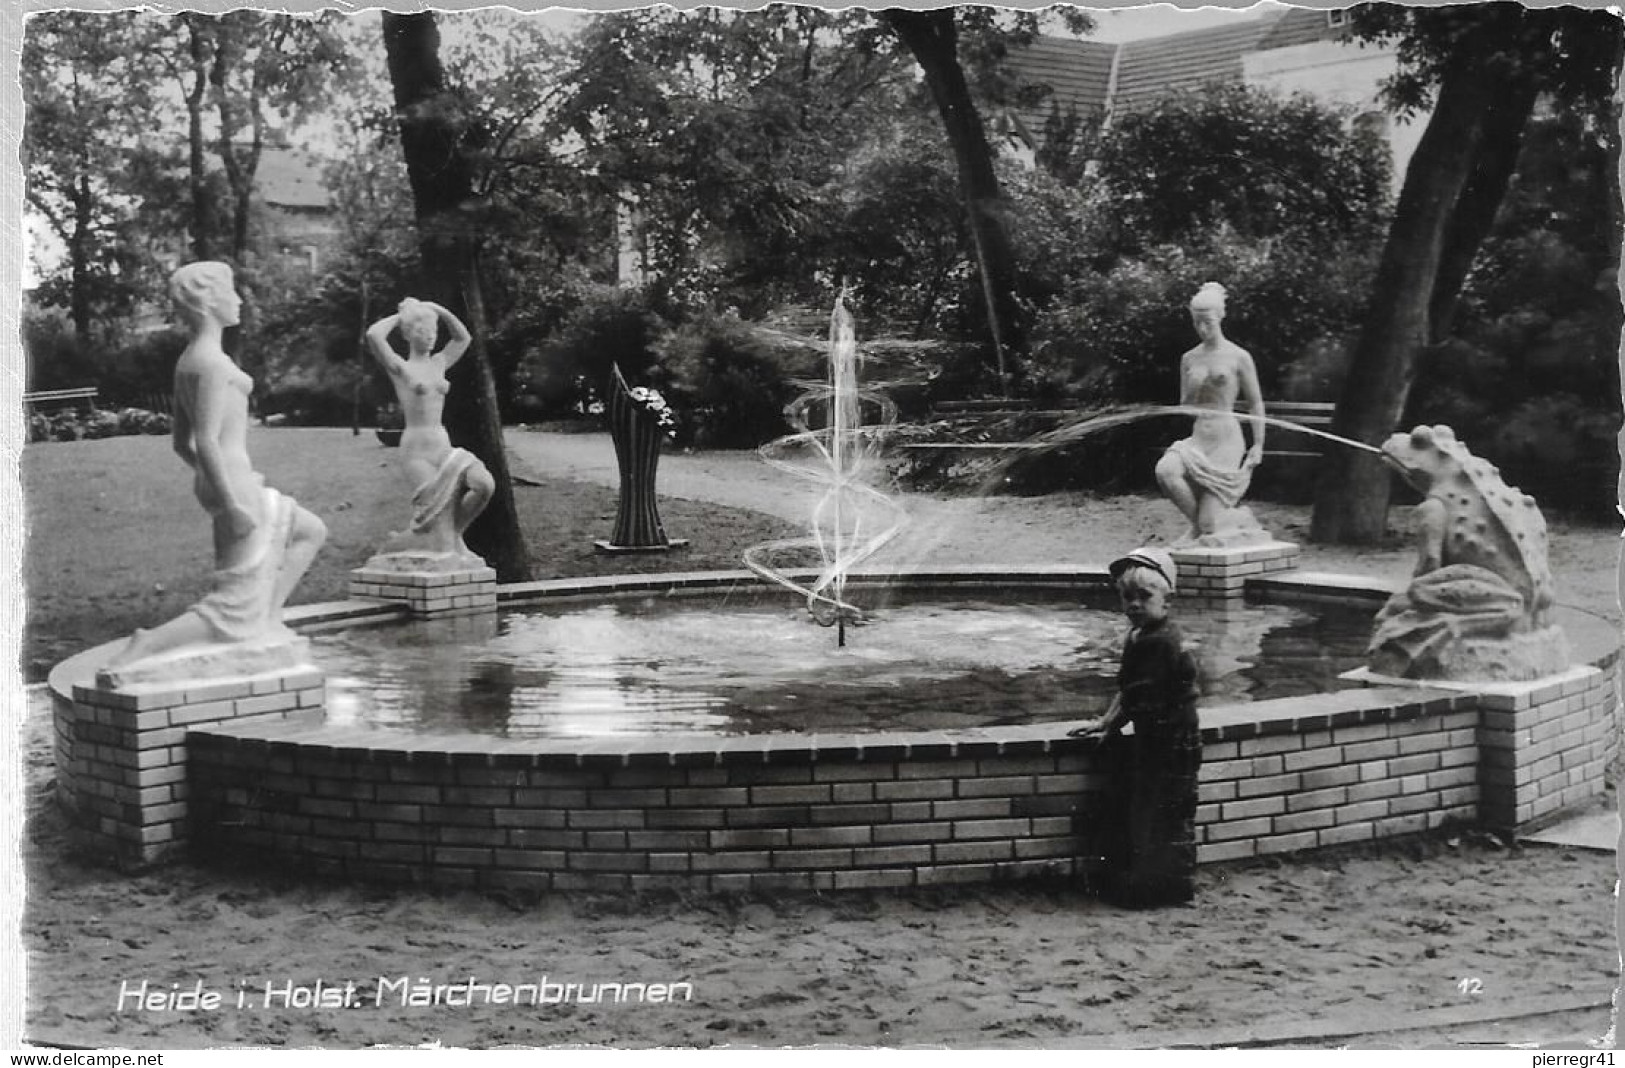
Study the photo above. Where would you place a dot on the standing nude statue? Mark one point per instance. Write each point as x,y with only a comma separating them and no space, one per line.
263,541
450,486
1207,474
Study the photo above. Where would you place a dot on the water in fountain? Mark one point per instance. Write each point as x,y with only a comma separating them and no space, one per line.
738,661
852,520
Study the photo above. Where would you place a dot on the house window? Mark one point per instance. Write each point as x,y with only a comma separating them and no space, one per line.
1337,19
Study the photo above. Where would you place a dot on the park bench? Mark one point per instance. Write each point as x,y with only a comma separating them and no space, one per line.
78,396
1311,415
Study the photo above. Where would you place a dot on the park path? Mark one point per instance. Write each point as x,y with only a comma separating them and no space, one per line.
940,530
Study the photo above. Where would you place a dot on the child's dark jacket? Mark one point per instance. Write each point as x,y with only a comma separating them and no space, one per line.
1156,680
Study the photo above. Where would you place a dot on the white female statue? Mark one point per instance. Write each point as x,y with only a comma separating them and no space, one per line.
450,486
263,541
1207,474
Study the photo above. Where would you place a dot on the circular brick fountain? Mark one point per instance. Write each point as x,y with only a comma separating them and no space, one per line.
242,771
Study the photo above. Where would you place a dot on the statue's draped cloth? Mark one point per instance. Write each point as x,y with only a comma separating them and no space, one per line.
431,500
242,604
1229,485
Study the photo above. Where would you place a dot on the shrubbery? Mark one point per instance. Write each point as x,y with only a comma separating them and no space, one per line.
729,389
67,425
569,371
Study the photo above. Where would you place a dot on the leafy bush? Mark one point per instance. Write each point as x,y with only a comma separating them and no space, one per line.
54,426
1116,336
1245,158
141,421
100,424
900,237
54,358
1560,447
571,369
145,365
70,425
729,388
301,405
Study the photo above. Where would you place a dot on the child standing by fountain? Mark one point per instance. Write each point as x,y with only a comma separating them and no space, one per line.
1152,857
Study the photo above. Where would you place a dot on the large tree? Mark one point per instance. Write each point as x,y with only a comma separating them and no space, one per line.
730,132
439,143
1485,66
955,65
264,67
933,38
87,105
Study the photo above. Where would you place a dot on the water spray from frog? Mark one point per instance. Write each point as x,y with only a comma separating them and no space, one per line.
852,520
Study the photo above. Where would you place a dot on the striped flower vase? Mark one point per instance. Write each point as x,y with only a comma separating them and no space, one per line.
637,434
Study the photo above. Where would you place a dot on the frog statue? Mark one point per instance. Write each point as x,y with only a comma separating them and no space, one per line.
1479,604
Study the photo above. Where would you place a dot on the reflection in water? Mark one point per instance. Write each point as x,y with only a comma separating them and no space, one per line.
663,665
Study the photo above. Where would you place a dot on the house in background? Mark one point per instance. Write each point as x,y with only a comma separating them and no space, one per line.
1299,50
295,222
296,209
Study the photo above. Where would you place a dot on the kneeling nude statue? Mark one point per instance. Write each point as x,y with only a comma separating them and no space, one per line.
263,540
450,486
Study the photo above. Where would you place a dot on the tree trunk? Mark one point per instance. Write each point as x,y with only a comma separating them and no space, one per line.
79,246
442,192
1351,500
1505,124
932,38
228,55
202,204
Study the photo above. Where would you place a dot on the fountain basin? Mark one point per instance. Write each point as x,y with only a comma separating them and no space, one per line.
744,659
889,808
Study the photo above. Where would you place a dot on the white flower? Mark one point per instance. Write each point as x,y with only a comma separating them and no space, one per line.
654,402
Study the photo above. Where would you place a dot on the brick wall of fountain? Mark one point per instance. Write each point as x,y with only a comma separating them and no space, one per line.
883,810
259,780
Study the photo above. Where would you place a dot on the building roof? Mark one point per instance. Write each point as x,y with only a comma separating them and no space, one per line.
1094,77
1151,69
289,178
1078,74
1302,25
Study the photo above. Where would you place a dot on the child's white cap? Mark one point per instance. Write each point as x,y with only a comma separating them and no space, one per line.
1157,560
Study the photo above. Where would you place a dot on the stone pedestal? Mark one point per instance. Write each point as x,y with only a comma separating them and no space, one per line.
1218,576
121,745
429,587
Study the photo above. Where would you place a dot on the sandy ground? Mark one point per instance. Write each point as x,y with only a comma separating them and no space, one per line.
1448,941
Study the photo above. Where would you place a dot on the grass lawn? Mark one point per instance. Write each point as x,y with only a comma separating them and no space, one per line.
116,539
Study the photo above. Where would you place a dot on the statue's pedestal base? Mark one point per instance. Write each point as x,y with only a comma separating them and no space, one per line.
121,743
279,651
1218,575
1529,656
611,548
431,585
